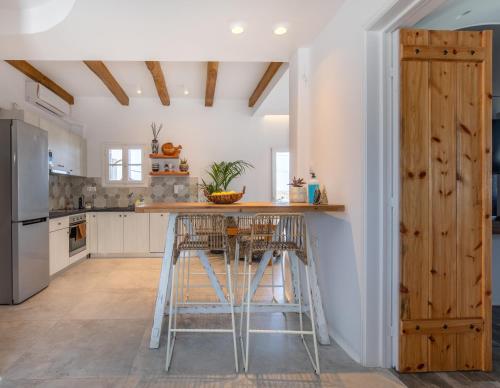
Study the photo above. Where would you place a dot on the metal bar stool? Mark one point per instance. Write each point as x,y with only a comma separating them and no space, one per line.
243,233
198,232
277,232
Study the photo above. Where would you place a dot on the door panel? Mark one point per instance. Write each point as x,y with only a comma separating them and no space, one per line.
442,286
30,259
415,177
110,233
157,232
135,233
445,225
30,172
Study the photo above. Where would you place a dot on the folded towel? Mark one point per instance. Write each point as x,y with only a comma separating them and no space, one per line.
81,231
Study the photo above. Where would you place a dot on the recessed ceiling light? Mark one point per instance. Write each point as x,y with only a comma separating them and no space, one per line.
280,29
463,14
186,91
237,28
139,91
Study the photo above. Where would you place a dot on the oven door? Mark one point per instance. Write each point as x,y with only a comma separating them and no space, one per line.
77,238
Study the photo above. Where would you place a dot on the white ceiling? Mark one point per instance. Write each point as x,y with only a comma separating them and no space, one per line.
451,14
32,16
22,4
173,30
235,80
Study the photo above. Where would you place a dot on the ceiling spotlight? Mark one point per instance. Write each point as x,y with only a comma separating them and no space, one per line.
237,28
280,30
139,91
186,91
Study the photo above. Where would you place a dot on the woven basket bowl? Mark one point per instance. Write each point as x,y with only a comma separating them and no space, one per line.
225,199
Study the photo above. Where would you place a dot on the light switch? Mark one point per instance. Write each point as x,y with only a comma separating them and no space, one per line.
178,188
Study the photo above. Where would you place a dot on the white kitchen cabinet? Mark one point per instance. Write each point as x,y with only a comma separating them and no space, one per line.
109,233
58,250
58,144
92,236
157,232
58,223
68,148
135,233
74,158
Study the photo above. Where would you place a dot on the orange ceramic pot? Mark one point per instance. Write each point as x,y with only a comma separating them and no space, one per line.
168,149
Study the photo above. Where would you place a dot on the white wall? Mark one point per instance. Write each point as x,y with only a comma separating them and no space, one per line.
226,131
336,129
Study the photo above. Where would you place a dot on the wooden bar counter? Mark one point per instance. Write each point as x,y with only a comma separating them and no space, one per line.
175,208
239,207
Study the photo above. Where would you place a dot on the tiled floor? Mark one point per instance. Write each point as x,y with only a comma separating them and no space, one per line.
91,328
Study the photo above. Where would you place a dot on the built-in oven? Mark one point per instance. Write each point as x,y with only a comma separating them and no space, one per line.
77,234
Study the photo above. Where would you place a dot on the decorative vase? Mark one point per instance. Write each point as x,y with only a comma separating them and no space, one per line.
298,194
155,146
168,149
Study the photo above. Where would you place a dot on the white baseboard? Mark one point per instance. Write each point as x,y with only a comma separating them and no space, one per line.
125,255
351,352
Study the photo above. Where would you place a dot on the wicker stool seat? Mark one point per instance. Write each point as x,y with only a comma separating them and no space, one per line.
270,233
198,232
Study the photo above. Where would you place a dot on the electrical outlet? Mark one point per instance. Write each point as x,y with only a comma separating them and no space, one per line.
178,188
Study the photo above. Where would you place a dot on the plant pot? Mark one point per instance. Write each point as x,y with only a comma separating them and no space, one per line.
184,167
298,194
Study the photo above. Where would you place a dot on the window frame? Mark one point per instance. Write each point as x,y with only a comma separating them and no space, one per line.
274,151
124,182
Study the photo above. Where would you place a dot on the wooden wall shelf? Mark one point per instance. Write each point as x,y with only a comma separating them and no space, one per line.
168,173
161,156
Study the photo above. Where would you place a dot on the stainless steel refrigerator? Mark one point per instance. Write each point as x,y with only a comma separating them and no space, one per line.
24,211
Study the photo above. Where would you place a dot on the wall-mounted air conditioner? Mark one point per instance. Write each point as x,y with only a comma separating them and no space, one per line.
45,99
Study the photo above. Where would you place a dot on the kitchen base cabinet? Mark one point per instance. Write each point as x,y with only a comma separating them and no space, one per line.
109,233
58,250
126,234
92,237
135,233
157,232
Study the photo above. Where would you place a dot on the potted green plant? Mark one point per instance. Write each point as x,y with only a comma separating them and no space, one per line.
298,192
183,165
222,174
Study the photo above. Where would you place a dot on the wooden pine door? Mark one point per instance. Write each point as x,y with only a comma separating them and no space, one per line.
445,207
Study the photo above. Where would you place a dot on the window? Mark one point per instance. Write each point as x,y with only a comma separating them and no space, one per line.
124,165
281,174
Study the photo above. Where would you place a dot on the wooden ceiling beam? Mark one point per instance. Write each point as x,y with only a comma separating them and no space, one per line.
34,74
271,71
161,87
101,71
212,69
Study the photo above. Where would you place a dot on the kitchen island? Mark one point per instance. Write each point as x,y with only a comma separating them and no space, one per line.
174,208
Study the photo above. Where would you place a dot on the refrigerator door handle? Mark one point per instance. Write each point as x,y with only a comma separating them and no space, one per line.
35,221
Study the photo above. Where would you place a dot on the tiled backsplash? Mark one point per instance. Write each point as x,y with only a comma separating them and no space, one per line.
64,191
